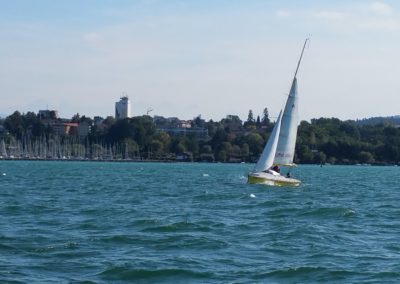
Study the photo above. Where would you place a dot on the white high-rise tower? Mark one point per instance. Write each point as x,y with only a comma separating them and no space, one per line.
123,108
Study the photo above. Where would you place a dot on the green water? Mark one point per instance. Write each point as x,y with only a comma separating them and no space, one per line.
63,222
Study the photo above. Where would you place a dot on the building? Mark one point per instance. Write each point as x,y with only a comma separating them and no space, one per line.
196,132
48,114
98,120
65,128
171,122
84,129
177,127
123,108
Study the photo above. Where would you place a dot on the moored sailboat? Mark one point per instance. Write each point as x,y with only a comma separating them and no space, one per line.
280,148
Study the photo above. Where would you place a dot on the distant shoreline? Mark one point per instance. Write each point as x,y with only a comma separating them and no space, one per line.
89,160
171,161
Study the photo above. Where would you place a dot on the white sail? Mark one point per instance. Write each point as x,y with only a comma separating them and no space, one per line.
281,144
267,157
287,137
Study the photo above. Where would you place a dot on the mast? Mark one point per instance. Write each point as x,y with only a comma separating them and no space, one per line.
288,133
301,56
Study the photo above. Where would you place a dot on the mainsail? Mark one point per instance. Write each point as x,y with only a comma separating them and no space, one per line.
267,157
287,136
290,119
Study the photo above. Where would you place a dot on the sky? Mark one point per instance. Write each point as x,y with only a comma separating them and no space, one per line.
210,58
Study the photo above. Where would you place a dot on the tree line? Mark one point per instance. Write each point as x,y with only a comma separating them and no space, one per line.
322,140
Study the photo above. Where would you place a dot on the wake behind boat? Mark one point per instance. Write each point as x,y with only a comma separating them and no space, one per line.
280,148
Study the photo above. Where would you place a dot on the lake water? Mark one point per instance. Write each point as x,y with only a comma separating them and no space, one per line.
196,223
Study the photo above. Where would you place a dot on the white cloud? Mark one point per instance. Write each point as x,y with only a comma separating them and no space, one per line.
91,37
376,17
283,14
388,25
380,8
329,15
367,17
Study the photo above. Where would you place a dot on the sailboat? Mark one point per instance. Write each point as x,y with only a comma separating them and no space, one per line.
280,147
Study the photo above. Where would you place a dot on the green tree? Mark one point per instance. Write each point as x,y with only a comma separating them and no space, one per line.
157,147
319,158
198,122
255,142
219,137
212,127
109,120
250,122
250,117
365,157
265,119
305,155
15,124
165,139
180,148
193,147
245,150
144,129
258,122
120,130
206,149
222,156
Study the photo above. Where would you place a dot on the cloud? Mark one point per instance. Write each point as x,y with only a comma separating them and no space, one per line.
91,37
380,8
367,17
329,15
388,25
376,17
283,13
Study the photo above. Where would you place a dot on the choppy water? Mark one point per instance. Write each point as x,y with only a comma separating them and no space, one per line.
196,223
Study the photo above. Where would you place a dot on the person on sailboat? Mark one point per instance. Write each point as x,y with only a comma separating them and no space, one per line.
276,169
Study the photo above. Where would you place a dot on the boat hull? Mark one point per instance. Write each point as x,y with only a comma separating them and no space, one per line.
271,179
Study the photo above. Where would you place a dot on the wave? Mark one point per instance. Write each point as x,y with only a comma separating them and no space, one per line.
183,226
122,239
307,274
4,247
165,241
170,275
330,212
57,247
322,274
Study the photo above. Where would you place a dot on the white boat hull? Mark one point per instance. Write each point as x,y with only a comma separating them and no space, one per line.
271,179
